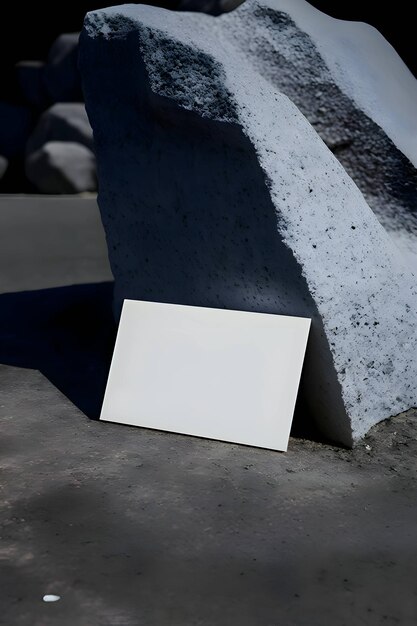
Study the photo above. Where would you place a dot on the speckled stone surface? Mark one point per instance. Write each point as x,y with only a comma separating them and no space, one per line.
216,191
277,43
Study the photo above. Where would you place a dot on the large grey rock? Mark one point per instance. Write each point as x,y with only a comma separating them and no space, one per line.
216,191
30,77
62,122
62,167
356,92
61,76
15,127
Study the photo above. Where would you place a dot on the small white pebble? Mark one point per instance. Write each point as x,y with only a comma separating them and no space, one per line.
368,447
51,598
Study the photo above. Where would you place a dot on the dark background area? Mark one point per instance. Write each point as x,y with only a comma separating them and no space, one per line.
32,29
393,20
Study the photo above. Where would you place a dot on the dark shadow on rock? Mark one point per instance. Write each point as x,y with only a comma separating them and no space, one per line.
67,333
305,427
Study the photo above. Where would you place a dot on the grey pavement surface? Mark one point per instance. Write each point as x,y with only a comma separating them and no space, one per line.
49,241
137,527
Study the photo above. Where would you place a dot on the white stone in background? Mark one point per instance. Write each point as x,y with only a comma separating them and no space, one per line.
61,76
4,164
49,597
216,191
62,167
62,122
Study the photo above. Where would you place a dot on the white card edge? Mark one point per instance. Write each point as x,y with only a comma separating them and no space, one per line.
306,321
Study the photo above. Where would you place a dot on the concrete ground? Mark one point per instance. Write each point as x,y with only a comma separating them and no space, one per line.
137,527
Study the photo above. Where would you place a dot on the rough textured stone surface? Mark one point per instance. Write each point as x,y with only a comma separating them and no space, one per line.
15,127
354,90
30,77
62,78
216,191
62,167
62,122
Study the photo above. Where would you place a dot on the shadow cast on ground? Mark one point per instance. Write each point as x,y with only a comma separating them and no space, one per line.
67,333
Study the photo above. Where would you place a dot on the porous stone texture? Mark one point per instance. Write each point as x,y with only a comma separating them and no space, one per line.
61,76
62,122
355,91
62,167
216,191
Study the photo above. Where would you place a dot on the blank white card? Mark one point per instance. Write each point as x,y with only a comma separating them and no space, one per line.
214,373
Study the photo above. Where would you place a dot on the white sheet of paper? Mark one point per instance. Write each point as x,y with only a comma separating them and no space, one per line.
214,373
